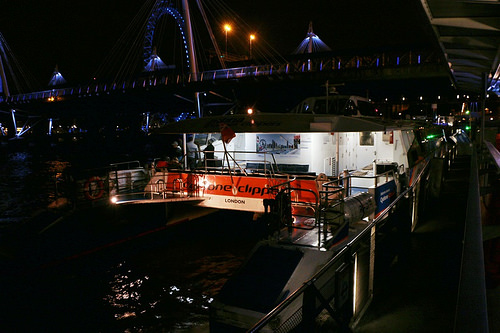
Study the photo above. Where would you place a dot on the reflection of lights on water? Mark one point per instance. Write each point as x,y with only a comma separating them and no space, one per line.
190,300
208,300
134,297
125,315
183,299
125,293
173,289
121,288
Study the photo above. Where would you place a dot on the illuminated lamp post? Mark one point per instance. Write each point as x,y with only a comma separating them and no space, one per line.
250,39
227,28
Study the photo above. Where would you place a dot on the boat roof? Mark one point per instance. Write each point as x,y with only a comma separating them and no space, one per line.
280,123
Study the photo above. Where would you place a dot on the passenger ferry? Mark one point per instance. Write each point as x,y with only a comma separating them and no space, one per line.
315,181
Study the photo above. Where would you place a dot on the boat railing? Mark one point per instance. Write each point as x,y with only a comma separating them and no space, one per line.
127,177
238,162
325,212
332,198
322,211
293,210
96,186
294,214
125,165
362,183
167,181
332,192
343,286
174,184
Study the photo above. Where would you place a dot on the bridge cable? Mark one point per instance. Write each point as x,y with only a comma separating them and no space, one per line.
211,33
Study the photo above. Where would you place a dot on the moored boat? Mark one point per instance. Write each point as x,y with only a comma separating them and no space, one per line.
315,181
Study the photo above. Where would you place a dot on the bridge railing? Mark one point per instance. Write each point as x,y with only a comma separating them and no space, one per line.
302,65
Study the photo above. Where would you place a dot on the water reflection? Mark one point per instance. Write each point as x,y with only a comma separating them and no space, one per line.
125,292
163,282
15,168
173,295
29,183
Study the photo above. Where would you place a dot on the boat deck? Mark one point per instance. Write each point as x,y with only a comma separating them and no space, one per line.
419,292
311,237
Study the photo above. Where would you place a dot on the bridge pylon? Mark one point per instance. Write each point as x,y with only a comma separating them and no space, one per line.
165,7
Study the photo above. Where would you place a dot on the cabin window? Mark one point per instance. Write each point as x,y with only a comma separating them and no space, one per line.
320,107
350,108
366,109
306,108
366,139
202,138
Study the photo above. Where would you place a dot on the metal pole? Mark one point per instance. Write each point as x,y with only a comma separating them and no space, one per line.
192,53
147,121
50,126
190,40
184,149
13,112
337,153
226,43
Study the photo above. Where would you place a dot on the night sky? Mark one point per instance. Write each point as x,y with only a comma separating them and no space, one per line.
77,35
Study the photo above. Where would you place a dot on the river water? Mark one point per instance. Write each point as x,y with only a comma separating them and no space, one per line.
161,281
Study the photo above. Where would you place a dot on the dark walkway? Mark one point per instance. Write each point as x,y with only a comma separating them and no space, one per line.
419,295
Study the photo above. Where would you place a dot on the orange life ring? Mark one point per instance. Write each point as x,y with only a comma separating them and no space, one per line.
93,188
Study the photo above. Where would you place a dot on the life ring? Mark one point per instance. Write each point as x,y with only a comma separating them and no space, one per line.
93,188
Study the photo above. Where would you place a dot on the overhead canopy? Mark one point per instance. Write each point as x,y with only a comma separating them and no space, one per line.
276,123
469,35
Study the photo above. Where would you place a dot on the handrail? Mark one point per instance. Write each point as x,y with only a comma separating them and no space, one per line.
294,295
495,154
128,164
288,182
472,285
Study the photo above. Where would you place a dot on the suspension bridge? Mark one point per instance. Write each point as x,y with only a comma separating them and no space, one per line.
271,84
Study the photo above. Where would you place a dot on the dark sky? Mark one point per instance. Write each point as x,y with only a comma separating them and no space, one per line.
77,35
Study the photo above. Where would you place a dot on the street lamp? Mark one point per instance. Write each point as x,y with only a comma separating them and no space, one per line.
251,38
227,28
